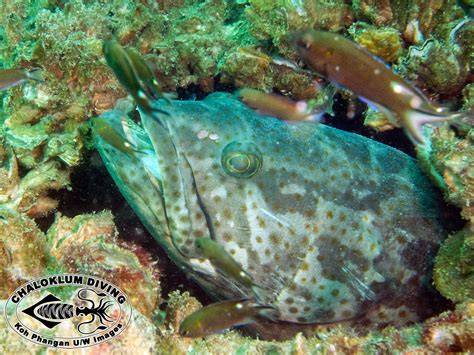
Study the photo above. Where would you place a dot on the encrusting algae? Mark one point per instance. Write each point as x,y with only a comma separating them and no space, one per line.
195,48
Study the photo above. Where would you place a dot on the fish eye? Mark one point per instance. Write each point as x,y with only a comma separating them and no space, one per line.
303,40
241,160
303,43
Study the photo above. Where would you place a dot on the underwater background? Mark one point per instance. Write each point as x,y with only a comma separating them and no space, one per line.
60,211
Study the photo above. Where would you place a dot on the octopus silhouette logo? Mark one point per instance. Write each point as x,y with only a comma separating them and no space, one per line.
79,310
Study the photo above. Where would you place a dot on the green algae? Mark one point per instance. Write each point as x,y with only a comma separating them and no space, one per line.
454,267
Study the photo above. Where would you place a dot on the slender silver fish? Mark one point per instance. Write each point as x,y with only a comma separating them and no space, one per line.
13,77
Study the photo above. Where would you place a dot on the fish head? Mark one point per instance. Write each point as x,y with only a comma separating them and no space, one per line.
213,169
315,47
217,158
323,51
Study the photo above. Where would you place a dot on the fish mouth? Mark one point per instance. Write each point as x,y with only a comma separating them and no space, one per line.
155,176
136,170
301,40
184,208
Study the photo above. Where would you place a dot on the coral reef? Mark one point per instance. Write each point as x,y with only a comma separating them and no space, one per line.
383,42
20,238
449,162
30,194
427,15
247,67
436,68
450,331
44,133
454,267
275,21
87,244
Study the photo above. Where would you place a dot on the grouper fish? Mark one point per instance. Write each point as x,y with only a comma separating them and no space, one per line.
331,226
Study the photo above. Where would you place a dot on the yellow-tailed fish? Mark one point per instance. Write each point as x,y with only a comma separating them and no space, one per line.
220,316
127,74
278,106
223,261
346,63
14,77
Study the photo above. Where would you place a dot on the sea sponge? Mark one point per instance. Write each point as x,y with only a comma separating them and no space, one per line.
454,266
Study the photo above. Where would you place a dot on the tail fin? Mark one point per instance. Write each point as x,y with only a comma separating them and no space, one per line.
415,119
316,116
35,74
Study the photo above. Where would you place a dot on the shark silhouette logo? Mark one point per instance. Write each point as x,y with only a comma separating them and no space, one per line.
96,311
50,311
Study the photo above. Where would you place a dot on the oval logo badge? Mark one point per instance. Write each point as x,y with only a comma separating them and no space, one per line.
68,311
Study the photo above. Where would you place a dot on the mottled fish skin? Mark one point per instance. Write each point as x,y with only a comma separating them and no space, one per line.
334,226
222,261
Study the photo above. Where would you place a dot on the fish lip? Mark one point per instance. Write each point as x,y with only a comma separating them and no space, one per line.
297,40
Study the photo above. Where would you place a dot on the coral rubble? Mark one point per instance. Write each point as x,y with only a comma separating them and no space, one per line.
454,267
20,239
87,244
449,161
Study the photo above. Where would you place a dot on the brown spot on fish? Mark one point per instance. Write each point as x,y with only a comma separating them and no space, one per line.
227,237
274,239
